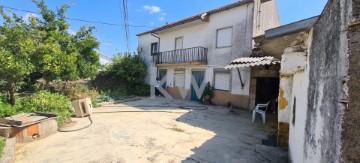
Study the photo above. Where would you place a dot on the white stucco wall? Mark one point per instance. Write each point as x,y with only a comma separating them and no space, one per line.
265,17
144,43
236,85
297,126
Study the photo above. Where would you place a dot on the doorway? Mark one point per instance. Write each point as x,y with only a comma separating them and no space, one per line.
199,78
162,74
267,89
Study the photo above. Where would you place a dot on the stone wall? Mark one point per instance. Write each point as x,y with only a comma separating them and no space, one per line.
327,91
351,122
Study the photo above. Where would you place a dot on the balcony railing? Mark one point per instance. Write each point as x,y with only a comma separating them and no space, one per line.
195,54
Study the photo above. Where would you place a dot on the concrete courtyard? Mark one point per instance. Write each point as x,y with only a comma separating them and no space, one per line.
163,133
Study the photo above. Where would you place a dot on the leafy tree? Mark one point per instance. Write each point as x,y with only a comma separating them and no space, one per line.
87,61
132,68
43,48
55,52
16,49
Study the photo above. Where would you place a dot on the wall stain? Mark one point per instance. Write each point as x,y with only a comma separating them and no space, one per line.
282,100
283,135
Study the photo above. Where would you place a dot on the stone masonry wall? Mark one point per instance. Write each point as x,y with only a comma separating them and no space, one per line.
351,121
327,64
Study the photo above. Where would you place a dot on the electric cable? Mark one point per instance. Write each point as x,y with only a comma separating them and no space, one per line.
184,107
91,122
82,20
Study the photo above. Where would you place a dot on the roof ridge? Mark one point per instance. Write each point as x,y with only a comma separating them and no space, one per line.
197,16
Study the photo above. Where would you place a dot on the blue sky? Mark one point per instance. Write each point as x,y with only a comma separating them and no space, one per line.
150,13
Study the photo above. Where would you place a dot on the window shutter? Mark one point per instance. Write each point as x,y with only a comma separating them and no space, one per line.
179,78
224,37
179,43
222,81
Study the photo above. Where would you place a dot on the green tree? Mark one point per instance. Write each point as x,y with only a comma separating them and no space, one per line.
87,61
16,49
56,54
131,68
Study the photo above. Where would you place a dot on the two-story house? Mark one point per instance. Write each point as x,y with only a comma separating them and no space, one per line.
193,51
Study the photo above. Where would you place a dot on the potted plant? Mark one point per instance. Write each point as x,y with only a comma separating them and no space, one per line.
207,94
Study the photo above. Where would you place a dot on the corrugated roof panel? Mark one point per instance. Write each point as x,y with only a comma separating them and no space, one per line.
252,61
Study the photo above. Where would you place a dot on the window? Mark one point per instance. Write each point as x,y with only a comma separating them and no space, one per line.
179,43
179,78
222,79
154,48
224,37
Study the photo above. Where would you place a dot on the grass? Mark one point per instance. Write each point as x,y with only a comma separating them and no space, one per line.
2,145
175,128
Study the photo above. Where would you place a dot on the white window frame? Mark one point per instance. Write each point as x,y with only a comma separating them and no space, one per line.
182,42
222,72
217,37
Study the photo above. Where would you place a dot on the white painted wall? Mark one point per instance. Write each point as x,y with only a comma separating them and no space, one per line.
144,43
203,34
265,17
297,129
236,85
285,94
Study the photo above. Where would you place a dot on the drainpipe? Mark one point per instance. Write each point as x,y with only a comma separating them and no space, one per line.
155,35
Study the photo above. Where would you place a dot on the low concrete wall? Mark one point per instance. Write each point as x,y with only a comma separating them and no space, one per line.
9,151
224,97
35,131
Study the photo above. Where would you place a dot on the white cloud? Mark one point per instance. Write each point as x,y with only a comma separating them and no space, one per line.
152,23
152,9
163,14
28,15
161,19
72,32
107,44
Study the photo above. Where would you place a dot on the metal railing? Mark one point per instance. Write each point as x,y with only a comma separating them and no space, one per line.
195,54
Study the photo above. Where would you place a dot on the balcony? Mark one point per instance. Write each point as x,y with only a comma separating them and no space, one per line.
195,55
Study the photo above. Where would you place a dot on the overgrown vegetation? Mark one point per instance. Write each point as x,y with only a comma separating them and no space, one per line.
43,48
124,77
42,101
46,102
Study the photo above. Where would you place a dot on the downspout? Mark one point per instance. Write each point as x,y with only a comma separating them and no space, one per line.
154,34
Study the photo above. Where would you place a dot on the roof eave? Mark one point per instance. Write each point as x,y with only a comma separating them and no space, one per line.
197,17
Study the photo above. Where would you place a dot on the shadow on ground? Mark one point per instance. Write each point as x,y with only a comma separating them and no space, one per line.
236,138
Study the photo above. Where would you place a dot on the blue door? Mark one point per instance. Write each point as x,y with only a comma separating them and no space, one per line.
162,74
199,78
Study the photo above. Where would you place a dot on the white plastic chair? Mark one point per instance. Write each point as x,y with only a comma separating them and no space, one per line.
262,112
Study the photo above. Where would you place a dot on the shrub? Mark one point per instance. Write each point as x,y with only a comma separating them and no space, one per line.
73,90
208,92
6,109
131,68
46,102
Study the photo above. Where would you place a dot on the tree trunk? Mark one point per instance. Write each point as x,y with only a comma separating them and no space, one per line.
11,98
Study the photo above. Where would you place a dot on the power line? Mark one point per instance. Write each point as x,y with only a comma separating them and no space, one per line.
126,22
83,20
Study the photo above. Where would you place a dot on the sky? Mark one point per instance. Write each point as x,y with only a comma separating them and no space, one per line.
144,15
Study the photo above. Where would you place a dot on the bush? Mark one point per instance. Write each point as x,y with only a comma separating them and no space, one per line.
74,90
6,109
46,102
131,68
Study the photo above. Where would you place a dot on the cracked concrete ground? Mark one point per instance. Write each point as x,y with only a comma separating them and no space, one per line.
172,135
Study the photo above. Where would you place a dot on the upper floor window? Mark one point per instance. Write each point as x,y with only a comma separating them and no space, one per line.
154,48
224,37
179,43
